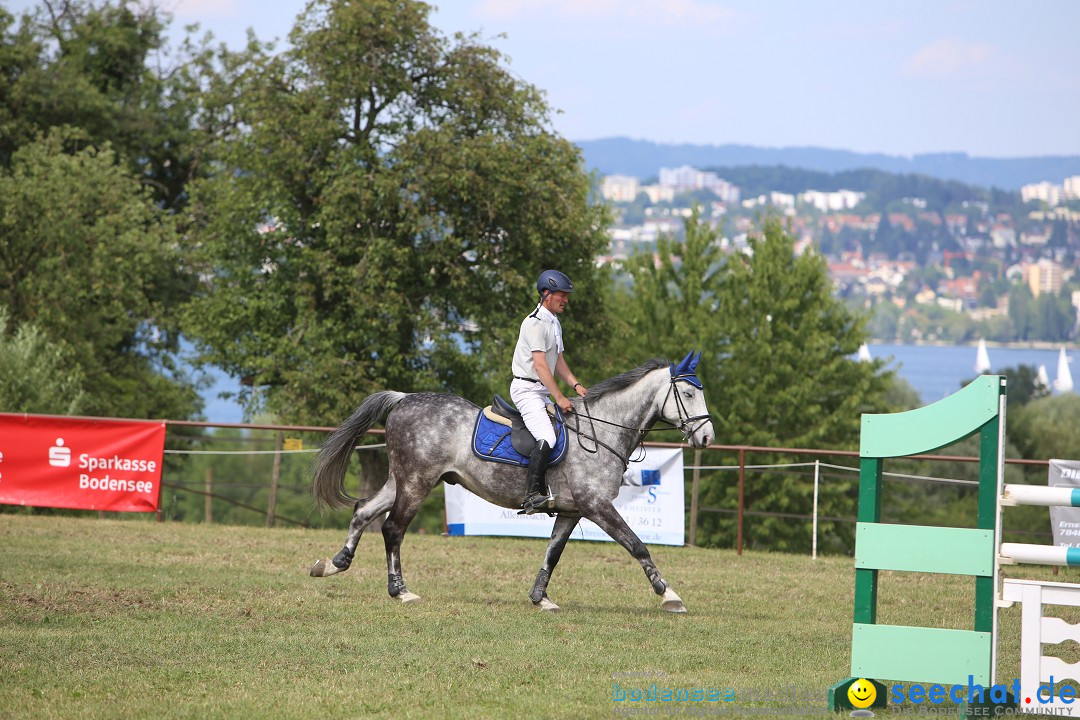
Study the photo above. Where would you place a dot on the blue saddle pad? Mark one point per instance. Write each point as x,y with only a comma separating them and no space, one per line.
491,441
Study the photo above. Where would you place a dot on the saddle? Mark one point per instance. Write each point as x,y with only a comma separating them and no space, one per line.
500,435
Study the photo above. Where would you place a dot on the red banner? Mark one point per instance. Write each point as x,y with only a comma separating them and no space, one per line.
80,463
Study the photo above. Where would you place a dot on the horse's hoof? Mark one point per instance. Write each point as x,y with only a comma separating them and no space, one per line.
672,602
408,597
547,605
317,569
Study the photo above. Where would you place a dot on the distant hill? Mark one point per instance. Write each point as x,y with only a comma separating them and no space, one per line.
882,188
642,158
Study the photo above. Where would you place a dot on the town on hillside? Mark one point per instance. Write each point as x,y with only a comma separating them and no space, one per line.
931,260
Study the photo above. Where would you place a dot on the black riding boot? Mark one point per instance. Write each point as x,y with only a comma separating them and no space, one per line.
538,496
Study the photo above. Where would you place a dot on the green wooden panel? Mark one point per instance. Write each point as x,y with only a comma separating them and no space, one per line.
917,654
934,426
989,443
916,548
866,581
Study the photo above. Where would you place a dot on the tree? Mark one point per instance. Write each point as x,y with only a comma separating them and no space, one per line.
88,258
103,70
36,374
777,361
1047,427
384,201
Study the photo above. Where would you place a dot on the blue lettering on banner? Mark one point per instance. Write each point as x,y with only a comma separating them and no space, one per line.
650,477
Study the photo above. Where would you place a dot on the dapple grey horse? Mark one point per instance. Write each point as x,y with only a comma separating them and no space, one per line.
428,440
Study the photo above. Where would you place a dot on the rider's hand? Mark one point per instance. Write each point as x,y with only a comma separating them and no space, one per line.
581,390
564,404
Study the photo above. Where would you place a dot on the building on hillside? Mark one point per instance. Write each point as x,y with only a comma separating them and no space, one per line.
1002,236
619,188
688,179
832,201
961,288
1046,192
1044,276
1071,188
658,193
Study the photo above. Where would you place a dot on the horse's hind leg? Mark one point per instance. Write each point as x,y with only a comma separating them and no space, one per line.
405,506
364,513
564,525
610,521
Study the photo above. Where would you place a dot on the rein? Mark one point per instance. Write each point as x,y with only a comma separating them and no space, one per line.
684,420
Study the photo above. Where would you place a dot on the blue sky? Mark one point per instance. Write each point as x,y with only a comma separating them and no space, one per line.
987,77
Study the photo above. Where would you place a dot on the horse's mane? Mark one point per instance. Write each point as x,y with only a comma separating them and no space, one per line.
628,378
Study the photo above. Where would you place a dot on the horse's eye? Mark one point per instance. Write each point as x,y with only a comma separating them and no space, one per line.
688,394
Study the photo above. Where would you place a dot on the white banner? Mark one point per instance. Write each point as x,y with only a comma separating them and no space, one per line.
650,500
1065,521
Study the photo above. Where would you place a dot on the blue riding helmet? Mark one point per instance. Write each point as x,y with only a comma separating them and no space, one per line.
551,280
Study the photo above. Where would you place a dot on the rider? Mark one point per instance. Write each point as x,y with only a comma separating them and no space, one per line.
538,357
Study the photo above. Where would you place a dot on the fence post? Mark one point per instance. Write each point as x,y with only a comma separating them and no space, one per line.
271,504
209,500
694,497
742,484
817,476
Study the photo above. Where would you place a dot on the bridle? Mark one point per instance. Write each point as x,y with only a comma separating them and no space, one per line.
683,426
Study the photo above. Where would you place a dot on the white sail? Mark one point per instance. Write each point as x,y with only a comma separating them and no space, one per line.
982,359
1042,378
864,353
1063,382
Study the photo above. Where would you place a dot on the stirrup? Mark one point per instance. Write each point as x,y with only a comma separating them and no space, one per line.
536,503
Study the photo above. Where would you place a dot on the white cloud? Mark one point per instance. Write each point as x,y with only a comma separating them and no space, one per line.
954,58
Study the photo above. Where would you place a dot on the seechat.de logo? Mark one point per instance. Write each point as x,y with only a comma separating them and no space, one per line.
862,695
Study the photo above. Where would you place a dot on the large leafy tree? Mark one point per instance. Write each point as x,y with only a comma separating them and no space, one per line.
89,259
384,200
778,358
105,69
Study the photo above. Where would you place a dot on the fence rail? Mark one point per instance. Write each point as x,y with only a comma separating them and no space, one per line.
696,467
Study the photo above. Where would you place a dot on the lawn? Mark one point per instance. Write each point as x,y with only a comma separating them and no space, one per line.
132,618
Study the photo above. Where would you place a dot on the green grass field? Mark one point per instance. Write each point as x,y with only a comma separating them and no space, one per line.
108,619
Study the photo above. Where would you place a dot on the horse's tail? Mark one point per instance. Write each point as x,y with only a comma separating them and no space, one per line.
329,466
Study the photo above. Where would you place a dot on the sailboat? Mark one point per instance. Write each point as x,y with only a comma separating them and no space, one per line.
864,353
982,359
1063,382
1041,378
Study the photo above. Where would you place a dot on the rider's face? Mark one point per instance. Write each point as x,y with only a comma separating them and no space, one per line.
556,300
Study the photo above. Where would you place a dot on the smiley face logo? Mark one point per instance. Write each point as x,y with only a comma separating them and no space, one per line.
862,693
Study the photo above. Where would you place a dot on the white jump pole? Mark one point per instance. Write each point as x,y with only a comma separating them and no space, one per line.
1040,495
1012,553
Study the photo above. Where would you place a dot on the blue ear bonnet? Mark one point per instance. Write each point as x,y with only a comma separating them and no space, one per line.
687,370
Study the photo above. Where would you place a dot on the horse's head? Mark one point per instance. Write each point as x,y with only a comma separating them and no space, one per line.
684,404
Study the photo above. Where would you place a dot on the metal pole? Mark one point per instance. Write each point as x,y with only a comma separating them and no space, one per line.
271,505
694,497
817,476
209,500
742,484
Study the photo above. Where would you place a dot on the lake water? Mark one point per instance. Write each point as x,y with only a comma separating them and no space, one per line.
933,370
939,370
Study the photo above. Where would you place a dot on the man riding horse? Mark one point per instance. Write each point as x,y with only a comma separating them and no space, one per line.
538,358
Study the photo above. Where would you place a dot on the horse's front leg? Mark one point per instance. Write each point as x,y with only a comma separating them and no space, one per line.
604,514
564,525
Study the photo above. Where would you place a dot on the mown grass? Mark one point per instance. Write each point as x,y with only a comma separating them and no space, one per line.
107,619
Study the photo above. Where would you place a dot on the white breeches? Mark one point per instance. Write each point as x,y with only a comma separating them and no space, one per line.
531,400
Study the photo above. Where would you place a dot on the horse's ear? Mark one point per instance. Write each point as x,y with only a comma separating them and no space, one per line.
684,365
695,361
